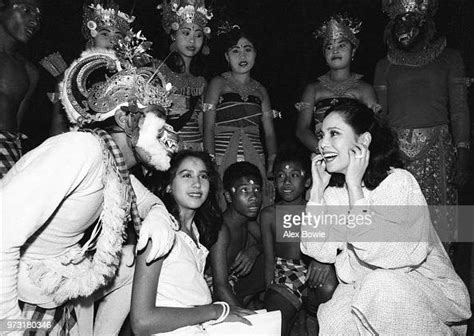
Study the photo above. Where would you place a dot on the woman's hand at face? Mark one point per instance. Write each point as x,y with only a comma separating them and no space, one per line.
359,156
320,177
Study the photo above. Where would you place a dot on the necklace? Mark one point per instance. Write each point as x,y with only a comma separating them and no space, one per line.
244,90
185,85
339,87
419,58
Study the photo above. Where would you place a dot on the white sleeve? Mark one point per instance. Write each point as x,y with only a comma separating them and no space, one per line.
31,192
399,233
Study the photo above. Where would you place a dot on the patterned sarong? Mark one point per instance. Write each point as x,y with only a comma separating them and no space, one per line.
291,273
58,321
10,150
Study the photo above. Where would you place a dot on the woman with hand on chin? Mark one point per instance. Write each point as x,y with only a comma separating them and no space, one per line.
394,275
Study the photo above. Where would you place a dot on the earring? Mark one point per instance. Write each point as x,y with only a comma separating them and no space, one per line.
173,46
205,50
168,189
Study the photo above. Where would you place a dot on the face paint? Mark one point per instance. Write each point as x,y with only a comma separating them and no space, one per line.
150,147
251,182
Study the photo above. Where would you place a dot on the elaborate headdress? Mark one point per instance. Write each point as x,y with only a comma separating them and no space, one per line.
129,85
396,7
339,26
178,12
96,17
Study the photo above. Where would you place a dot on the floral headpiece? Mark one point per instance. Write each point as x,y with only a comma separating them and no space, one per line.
226,27
339,26
130,85
96,17
175,13
396,7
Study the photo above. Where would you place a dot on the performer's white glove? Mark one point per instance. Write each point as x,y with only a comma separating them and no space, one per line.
160,227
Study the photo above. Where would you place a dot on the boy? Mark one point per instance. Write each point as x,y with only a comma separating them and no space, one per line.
234,257
287,275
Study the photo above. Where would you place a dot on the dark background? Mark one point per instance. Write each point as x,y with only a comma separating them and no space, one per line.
288,56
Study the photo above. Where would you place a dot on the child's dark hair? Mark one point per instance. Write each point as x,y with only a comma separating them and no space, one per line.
238,170
293,156
208,217
384,149
232,38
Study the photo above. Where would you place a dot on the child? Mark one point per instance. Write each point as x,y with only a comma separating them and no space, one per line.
236,252
188,36
338,84
171,294
288,278
236,105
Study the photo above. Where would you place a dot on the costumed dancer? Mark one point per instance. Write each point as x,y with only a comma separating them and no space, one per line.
19,22
421,86
340,43
235,107
102,27
79,179
395,278
185,21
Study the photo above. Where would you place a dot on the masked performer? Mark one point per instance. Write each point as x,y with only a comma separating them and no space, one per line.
339,84
423,96
102,27
19,22
77,180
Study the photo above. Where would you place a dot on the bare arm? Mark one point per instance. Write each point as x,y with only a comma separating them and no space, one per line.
267,225
268,129
145,317
303,123
369,97
380,84
33,76
220,273
210,102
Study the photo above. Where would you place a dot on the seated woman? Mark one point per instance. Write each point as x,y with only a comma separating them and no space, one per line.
170,294
338,84
394,275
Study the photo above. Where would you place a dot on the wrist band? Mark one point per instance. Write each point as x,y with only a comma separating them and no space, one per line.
466,145
222,317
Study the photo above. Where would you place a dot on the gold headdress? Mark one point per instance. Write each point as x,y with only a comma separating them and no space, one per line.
130,84
178,12
339,26
96,17
396,7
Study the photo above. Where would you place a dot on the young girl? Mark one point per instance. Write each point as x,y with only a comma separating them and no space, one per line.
234,108
188,34
339,84
395,277
171,293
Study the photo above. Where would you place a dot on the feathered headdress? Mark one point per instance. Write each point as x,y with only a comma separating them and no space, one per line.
339,26
396,7
178,12
96,17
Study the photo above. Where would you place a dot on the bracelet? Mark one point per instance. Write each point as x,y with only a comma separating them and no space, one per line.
224,314
466,145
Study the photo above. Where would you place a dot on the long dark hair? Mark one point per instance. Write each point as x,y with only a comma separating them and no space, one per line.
384,148
208,218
